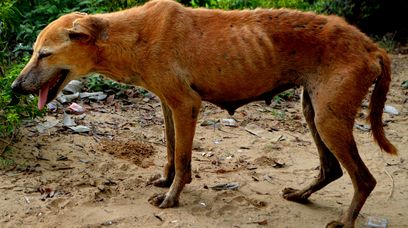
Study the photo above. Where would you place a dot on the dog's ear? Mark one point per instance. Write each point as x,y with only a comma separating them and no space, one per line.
88,29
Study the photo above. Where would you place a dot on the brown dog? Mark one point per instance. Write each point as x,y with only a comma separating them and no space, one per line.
229,58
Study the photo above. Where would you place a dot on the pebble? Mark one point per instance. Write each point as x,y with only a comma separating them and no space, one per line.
391,110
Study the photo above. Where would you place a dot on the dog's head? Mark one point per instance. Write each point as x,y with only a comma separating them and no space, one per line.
66,49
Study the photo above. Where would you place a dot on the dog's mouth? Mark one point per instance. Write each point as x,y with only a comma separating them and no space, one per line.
50,89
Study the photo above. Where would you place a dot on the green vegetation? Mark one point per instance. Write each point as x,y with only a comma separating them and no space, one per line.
22,20
280,114
387,41
285,96
374,17
252,4
6,163
14,107
97,82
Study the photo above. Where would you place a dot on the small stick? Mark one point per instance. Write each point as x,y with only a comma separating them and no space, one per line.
252,133
27,200
153,142
4,141
392,186
228,132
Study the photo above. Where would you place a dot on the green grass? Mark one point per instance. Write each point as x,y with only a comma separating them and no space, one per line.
5,163
387,41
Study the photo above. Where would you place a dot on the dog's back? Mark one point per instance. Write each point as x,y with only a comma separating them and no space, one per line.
271,47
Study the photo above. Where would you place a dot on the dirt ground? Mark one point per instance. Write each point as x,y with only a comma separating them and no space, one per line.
100,178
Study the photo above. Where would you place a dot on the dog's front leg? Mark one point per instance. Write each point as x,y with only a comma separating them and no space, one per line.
168,175
184,111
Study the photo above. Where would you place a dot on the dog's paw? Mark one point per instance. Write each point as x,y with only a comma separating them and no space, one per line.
295,195
162,182
162,201
157,199
159,181
169,202
335,224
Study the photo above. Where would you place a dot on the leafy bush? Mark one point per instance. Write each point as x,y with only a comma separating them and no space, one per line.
375,17
9,19
14,107
251,4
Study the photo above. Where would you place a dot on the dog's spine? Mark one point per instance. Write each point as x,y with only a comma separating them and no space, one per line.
378,98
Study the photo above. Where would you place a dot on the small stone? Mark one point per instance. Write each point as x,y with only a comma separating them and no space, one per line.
80,129
76,108
391,110
73,86
229,122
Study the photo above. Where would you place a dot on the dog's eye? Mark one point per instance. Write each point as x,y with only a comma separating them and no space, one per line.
42,55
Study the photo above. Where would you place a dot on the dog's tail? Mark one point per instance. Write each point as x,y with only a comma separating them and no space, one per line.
378,98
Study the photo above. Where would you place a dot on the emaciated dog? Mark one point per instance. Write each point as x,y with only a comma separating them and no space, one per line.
229,58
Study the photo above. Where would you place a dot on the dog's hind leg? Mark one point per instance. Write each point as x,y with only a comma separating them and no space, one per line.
168,175
341,141
334,120
330,169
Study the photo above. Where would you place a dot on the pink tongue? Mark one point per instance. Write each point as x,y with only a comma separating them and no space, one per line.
43,96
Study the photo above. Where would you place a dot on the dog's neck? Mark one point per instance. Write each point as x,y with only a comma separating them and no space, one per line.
130,37
113,53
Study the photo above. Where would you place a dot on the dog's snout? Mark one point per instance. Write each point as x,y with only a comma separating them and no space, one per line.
16,86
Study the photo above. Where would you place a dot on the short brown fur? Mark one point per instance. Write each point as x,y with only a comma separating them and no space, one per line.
229,58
